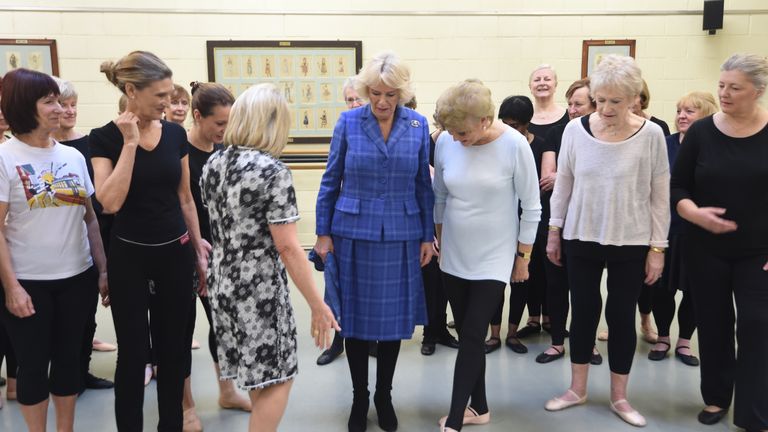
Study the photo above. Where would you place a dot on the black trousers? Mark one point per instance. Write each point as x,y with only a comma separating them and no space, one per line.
532,292
473,303
47,344
437,301
557,297
664,311
131,266
715,283
626,272
6,352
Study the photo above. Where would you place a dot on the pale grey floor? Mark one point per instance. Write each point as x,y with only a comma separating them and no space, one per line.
665,392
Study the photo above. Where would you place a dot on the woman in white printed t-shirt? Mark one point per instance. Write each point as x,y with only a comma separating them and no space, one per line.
50,249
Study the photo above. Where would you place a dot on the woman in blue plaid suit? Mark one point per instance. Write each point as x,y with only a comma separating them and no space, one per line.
374,212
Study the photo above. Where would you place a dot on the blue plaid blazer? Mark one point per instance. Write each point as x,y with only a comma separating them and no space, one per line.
375,190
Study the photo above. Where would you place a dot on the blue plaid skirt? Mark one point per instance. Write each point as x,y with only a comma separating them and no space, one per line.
382,295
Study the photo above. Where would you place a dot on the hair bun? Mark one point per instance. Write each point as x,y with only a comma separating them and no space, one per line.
195,86
108,69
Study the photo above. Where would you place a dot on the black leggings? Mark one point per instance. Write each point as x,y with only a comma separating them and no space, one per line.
557,298
473,303
130,267
532,292
6,351
714,283
437,301
51,337
664,311
386,360
626,272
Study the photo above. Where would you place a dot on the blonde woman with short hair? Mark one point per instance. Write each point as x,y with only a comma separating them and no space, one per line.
252,206
374,212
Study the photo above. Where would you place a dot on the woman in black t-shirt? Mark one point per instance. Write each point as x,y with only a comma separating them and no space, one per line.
141,172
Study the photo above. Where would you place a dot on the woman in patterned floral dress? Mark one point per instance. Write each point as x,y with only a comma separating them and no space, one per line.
253,213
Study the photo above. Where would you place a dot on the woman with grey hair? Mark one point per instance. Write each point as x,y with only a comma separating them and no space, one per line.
720,186
374,212
616,218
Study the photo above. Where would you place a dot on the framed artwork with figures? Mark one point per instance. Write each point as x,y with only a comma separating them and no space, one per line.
35,54
593,51
309,73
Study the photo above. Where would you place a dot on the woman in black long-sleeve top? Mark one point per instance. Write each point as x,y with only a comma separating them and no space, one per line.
720,186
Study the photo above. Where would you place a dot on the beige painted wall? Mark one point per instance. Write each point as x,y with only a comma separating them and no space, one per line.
497,41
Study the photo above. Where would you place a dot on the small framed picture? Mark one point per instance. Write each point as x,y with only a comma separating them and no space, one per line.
593,51
35,54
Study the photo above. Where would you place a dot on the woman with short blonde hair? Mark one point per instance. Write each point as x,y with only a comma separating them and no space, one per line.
253,214
374,210
482,169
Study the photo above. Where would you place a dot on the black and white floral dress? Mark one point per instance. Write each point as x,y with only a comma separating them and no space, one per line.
245,191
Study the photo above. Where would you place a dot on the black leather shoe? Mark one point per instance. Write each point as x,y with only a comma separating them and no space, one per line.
657,355
427,348
515,345
532,328
358,417
96,383
690,360
2,381
710,418
448,340
495,343
546,358
596,359
328,356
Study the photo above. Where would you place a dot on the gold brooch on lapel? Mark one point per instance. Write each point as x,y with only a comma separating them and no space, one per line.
415,123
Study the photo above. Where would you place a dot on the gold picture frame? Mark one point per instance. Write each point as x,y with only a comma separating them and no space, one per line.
310,74
35,54
592,52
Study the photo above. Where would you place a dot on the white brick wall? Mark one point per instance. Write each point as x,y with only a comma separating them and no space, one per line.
675,54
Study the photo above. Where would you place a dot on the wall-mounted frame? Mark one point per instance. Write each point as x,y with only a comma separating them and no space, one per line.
310,74
35,54
593,51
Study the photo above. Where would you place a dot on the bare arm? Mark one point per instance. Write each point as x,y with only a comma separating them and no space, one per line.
298,267
18,302
189,212
548,171
112,182
97,250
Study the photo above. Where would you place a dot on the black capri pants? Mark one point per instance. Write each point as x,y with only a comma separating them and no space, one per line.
130,268
626,273
50,365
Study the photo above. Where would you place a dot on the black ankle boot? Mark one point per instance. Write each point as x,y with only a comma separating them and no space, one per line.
358,417
385,411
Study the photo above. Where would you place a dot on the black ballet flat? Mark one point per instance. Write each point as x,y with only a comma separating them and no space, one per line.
690,360
515,345
546,358
493,346
710,418
532,328
657,355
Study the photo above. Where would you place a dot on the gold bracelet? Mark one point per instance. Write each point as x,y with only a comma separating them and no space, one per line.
657,249
524,255
553,228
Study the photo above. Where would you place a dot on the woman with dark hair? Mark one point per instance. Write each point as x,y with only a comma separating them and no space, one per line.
516,112
50,250
141,170
211,103
580,103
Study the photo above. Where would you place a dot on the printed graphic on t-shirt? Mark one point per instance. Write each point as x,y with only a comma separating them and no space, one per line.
51,185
